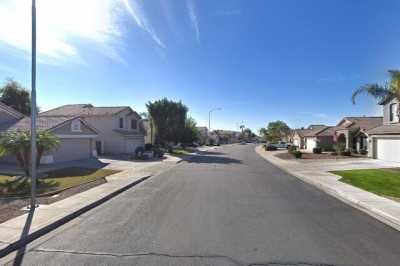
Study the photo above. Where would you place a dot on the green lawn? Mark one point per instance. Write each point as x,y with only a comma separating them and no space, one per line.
383,182
182,151
55,181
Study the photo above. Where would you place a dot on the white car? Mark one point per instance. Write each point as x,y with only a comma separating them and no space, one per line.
280,145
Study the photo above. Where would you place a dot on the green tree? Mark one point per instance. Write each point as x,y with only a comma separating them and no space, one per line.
190,134
18,143
278,130
146,115
13,94
246,134
386,92
263,133
169,119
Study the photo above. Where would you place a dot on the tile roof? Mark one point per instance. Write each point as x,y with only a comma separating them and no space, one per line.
386,129
83,110
11,110
42,122
316,130
363,123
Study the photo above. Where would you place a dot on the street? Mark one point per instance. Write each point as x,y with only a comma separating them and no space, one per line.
228,206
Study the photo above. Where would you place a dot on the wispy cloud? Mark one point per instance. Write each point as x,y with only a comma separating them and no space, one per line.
64,25
136,11
61,25
193,18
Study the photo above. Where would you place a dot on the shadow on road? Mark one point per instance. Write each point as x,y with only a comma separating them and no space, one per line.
25,232
211,159
211,153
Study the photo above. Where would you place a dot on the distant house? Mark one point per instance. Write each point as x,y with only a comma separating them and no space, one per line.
75,133
353,132
227,136
384,140
203,135
315,136
119,127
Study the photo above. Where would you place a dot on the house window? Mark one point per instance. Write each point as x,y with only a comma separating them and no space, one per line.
121,123
133,124
393,112
76,126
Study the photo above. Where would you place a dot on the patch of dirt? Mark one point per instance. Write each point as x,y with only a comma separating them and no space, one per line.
11,207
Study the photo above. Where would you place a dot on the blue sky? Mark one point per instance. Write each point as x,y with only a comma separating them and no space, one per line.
258,60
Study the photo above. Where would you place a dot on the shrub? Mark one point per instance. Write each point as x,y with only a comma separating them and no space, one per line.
148,147
139,153
317,150
340,148
158,151
334,153
297,154
346,153
292,149
363,152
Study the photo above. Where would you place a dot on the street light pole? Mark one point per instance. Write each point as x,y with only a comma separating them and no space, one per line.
209,117
33,110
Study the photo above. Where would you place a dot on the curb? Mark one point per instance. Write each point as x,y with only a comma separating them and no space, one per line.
48,228
375,213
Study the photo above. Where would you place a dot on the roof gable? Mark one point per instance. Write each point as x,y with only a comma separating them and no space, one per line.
11,111
85,110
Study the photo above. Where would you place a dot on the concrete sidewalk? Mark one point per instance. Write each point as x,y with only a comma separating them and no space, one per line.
25,228
315,172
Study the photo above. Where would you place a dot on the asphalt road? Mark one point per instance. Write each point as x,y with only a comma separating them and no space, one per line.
228,207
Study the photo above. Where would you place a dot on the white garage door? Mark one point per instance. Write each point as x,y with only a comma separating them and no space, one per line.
311,144
296,142
72,149
132,144
388,150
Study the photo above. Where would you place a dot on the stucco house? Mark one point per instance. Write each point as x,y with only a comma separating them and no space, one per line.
315,136
384,140
120,129
75,133
353,132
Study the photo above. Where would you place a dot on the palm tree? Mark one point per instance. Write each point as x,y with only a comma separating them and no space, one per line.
383,93
18,143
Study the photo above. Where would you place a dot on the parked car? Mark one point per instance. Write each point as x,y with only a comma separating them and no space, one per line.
280,145
270,147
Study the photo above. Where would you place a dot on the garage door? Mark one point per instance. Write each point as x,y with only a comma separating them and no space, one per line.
296,142
311,144
388,150
132,144
72,149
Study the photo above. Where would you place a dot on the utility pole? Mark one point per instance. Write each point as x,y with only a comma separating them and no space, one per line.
33,111
209,117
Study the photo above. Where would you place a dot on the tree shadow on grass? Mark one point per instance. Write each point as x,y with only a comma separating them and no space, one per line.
209,159
22,186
